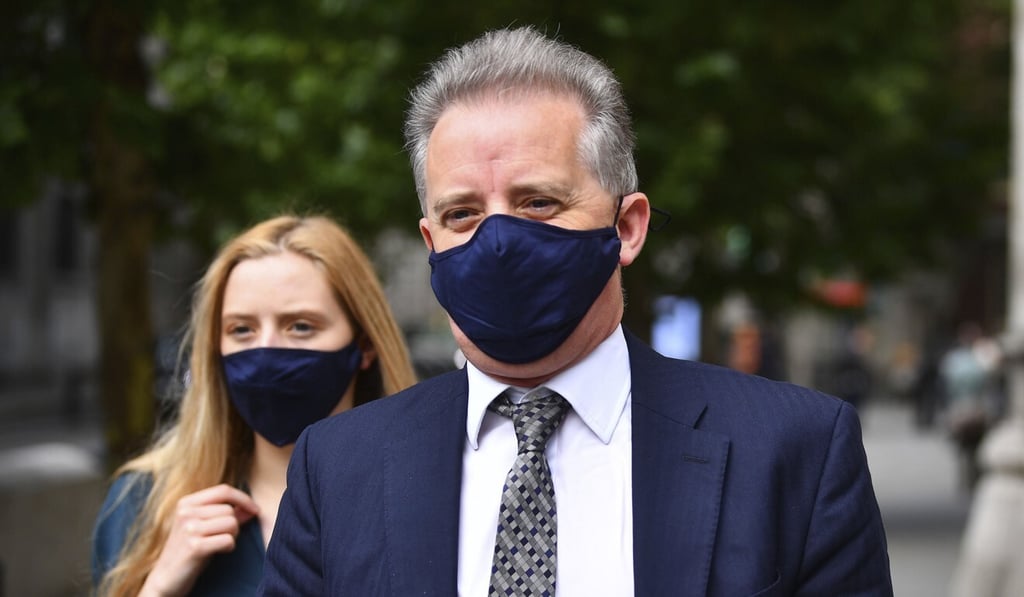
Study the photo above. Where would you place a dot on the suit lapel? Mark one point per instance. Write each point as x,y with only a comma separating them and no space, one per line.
678,473
424,476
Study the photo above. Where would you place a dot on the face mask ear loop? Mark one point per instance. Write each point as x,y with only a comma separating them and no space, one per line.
618,208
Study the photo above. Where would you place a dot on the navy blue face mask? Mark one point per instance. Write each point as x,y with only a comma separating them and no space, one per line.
281,391
518,288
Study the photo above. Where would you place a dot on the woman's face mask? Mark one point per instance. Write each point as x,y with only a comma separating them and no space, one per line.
281,391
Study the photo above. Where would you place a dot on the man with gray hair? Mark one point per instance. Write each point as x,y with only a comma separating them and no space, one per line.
566,458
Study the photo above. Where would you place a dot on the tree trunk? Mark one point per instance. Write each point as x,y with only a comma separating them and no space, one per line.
123,186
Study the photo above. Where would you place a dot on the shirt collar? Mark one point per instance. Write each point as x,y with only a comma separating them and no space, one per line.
597,388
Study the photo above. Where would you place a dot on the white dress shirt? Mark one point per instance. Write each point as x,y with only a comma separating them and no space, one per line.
590,456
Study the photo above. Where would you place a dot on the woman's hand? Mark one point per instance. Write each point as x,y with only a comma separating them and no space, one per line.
205,522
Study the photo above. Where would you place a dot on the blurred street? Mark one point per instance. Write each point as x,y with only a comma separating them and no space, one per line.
924,509
914,473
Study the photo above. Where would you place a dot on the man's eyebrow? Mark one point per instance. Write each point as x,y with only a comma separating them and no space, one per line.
447,201
541,188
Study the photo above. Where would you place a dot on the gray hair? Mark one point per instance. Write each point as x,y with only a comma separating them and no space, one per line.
524,60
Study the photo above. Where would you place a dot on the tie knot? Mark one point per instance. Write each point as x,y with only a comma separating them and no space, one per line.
534,420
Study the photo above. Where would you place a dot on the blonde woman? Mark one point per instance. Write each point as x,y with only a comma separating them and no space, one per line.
289,325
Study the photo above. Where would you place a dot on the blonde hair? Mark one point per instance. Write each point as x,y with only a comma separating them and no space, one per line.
210,443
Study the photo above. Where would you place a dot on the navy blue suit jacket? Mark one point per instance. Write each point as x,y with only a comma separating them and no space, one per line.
741,486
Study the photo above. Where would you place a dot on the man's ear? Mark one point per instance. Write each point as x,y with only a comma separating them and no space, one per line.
425,233
634,218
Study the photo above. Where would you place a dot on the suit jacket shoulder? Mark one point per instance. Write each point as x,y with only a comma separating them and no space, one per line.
372,504
768,479
369,428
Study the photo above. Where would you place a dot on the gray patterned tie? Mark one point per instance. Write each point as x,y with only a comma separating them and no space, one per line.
525,546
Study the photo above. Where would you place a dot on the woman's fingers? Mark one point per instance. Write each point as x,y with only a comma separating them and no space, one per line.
221,494
207,514
213,525
205,523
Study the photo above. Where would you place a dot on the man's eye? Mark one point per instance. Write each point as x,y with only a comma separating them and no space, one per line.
540,203
457,215
459,219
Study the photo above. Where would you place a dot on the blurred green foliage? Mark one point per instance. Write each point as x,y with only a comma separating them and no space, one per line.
789,140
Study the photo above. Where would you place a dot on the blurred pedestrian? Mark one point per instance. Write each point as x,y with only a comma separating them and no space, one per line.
968,373
756,349
846,374
927,391
289,325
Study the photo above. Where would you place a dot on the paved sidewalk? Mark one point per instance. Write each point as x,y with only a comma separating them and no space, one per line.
51,486
924,508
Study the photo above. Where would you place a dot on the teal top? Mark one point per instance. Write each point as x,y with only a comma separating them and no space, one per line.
236,573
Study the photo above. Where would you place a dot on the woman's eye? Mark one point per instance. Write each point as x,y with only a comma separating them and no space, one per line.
302,327
239,330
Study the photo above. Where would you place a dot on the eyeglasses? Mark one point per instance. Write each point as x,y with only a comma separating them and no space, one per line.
661,221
